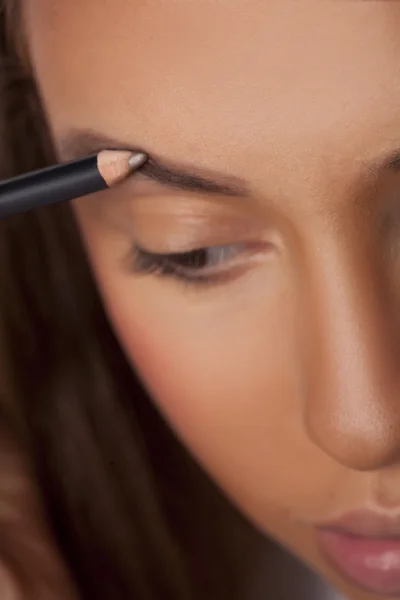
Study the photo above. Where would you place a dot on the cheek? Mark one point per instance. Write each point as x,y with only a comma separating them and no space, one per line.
222,369
218,386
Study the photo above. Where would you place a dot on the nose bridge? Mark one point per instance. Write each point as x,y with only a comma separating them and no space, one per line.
353,396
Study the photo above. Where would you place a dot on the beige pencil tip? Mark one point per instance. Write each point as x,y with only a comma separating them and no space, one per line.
116,165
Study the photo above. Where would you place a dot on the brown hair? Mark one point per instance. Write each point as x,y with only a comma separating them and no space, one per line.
131,513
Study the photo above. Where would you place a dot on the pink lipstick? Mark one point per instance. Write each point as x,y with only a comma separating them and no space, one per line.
364,547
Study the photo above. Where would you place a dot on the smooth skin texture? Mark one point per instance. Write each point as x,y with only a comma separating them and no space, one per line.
281,373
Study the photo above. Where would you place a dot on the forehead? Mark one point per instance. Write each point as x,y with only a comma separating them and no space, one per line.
285,83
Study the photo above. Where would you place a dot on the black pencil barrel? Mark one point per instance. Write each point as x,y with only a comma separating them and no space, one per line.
51,185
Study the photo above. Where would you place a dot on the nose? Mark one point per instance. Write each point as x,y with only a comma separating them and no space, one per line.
352,398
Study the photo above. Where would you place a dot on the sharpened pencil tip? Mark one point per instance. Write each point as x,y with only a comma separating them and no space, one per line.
116,165
137,160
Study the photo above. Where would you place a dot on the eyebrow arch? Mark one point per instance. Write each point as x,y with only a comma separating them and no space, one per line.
77,144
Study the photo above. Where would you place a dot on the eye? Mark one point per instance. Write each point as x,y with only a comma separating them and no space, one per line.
198,265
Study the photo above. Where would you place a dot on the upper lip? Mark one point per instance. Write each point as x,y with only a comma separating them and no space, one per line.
365,523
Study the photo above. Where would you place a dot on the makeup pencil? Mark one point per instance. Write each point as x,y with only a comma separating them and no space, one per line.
67,181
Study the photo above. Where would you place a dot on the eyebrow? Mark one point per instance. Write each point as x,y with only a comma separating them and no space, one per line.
79,143
393,161
76,144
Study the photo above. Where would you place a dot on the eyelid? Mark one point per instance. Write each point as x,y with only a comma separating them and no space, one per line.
180,224
138,196
170,223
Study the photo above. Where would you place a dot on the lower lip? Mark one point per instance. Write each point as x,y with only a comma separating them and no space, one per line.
373,564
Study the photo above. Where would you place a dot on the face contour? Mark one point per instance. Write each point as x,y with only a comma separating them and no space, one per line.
270,338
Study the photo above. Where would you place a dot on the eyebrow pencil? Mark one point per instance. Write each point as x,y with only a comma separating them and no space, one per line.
67,181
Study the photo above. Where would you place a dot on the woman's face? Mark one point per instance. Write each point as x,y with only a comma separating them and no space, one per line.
273,352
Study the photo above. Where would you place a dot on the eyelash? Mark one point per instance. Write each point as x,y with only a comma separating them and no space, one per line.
188,267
